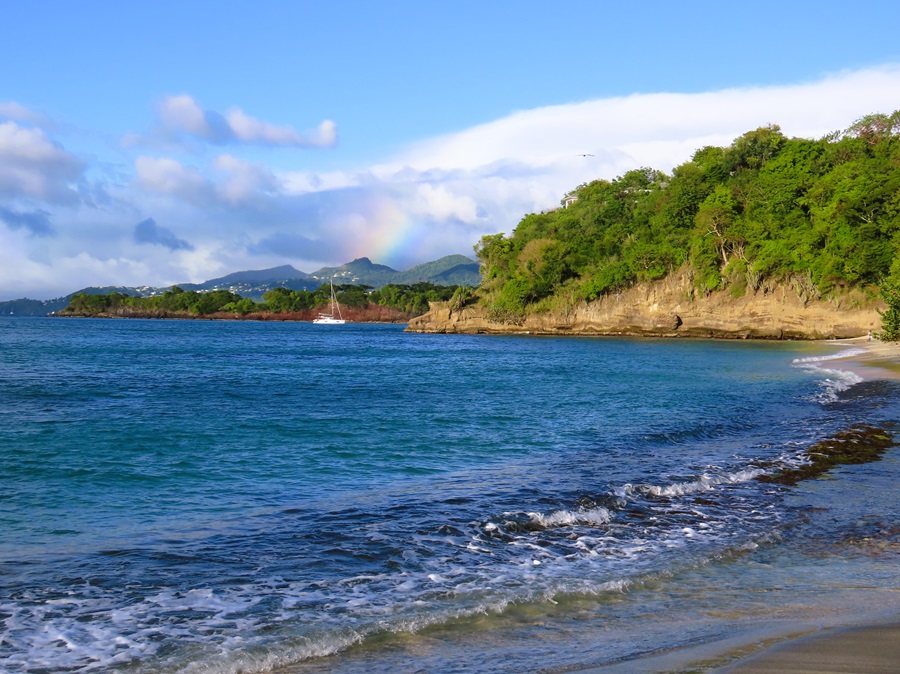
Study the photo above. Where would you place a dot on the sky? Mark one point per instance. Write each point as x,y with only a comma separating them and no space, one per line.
154,143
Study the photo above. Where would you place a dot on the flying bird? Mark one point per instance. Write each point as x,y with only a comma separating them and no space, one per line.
585,155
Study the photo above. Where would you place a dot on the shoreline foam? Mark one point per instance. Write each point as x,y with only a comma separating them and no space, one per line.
871,359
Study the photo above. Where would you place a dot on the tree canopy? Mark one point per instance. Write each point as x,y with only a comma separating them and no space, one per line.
822,215
410,299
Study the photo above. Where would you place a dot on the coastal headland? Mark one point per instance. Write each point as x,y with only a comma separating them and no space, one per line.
672,307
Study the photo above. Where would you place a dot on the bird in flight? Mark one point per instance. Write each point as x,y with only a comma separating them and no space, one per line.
585,155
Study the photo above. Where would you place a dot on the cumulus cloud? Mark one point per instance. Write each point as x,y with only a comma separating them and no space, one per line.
250,130
243,182
162,175
147,231
183,115
227,182
34,166
438,202
36,223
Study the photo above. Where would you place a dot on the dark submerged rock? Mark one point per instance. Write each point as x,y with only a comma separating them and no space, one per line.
858,444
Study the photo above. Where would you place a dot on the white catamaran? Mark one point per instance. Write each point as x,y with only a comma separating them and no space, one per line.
331,319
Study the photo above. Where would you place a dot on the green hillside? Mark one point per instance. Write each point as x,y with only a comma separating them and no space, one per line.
819,215
448,270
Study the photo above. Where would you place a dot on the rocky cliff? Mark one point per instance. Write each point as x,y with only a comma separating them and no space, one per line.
672,308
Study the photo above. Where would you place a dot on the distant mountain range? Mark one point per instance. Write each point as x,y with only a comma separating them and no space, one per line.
447,271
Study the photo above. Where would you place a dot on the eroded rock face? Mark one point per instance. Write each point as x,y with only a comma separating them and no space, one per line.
671,308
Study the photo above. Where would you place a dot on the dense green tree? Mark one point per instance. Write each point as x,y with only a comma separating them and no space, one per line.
214,301
412,299
890,318
815,214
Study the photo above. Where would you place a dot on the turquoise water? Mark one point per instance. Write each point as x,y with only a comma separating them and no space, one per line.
250,497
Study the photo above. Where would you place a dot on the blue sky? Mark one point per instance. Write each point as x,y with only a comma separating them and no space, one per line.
165,142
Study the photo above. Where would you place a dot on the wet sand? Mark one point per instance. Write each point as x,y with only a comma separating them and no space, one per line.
863,650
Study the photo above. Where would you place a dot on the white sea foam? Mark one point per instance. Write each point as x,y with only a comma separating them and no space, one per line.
846,353
561,518
705,483
833,381
350,609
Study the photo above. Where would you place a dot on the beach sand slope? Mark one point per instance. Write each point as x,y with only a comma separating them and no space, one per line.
863,650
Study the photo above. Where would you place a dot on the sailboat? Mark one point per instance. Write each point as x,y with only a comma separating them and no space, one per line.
330,319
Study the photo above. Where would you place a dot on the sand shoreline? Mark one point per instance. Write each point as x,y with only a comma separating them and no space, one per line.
803,648
869,359
870,649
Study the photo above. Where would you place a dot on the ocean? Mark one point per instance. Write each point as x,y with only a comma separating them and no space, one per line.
224,497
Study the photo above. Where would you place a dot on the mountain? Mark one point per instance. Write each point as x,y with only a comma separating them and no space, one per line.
256,283
27,307
361,271
281,273
449,270
452,270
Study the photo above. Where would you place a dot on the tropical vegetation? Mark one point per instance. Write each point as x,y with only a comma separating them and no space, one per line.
821,216
407,299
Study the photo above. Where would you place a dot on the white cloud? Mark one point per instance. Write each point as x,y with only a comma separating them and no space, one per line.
659,130
227,182
33,166
165,176
181,114
438,202
251,130
242,181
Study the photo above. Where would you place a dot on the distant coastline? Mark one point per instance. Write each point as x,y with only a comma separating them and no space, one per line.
370,314
451,270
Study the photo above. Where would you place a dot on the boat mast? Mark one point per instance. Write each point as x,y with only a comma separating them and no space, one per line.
334,302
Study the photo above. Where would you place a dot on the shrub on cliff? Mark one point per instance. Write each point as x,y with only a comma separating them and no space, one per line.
890,318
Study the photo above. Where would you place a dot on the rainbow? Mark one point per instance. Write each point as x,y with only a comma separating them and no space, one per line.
384,232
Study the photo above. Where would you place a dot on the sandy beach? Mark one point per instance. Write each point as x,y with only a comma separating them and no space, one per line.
873,649
872,359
